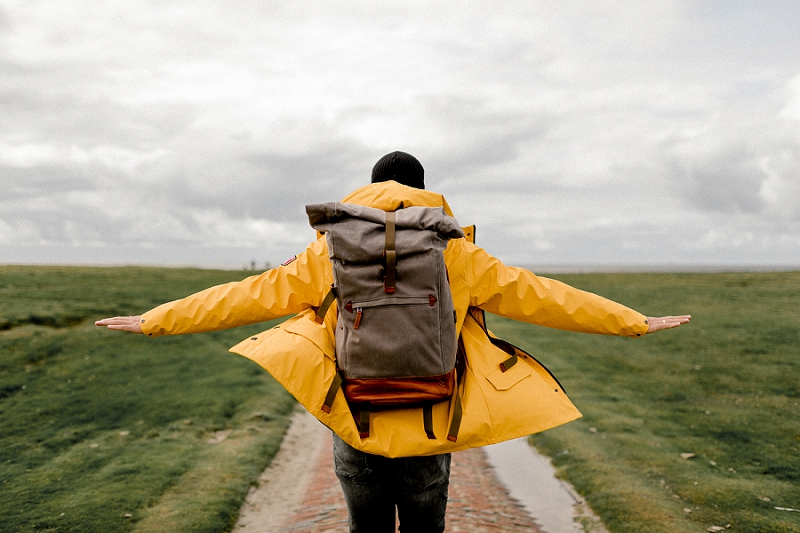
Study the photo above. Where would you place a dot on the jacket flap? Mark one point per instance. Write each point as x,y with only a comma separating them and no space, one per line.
308,328
505,380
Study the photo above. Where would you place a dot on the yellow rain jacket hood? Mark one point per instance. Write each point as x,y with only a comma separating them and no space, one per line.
300,353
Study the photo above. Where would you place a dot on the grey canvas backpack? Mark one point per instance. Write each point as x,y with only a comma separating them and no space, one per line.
395,336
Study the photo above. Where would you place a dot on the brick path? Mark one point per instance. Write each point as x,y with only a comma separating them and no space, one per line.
478,503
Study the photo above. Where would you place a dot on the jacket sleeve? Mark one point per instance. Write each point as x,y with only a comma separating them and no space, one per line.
521,295
288,289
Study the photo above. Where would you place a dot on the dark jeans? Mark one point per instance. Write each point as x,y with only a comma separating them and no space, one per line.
373,486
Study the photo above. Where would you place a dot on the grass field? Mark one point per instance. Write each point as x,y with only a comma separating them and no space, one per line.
725,388
106,432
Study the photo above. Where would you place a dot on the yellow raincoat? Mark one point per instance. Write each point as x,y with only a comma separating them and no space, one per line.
300,354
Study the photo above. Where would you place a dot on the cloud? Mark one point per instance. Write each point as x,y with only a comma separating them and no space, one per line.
622,132
729,181
791,111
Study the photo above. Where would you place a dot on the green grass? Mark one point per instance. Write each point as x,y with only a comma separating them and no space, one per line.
94,433
726,387
103,431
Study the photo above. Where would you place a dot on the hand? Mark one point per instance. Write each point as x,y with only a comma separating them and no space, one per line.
666,322
132,324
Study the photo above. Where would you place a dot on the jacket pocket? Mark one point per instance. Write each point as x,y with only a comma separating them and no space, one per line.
505,380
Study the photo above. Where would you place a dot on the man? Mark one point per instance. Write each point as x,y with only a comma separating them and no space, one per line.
395,470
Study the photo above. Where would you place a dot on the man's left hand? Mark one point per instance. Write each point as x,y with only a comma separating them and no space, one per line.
666,322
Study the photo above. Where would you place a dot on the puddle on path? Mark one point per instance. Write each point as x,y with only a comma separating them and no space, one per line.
530,478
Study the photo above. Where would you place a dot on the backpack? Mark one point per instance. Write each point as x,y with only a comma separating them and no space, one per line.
396,341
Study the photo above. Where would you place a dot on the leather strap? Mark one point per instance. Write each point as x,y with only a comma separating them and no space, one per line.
427,420
325,305
461,369
390,255
508,363
363,423
455,424
513,351
332,390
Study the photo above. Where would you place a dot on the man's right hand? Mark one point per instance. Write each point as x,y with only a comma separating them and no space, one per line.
132,324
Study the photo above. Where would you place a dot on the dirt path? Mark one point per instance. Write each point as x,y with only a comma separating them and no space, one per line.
299,492
282,486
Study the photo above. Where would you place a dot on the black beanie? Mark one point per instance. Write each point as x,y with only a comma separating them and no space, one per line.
400,167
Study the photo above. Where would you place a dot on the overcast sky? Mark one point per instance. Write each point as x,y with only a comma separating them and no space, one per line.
591,133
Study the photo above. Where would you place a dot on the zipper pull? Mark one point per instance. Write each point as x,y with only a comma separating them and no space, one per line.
357,321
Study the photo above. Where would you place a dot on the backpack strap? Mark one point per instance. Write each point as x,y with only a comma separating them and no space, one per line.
427,420
455,424
480,317
332,390
325,305
390,255
363,412
363,422
509,349
513,351
461,370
